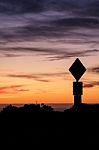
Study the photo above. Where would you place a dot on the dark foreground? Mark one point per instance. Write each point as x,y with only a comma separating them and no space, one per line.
39,127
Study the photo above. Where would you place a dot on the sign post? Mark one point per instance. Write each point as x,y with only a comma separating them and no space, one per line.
77,70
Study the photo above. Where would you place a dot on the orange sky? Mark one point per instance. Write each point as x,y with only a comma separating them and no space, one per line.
29,80
39,41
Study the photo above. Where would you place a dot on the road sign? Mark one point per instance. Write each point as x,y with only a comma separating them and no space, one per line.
77,88
77,69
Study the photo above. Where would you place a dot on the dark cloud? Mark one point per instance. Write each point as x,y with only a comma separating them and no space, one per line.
13,89
21,6
80,7
35,6
67,54
30,76
77,22
33,31
42,77
31,20
10,55
88,85
29,26
65,27
50,53
92,8
91,84
94,70
12,86
56,28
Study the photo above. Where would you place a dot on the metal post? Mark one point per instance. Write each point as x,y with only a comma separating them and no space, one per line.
77,100
77,92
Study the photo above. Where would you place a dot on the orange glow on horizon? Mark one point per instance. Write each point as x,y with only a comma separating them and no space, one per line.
43,85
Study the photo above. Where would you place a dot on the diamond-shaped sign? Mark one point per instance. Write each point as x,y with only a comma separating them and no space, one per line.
77,69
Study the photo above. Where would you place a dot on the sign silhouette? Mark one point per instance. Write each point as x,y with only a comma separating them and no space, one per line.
77,69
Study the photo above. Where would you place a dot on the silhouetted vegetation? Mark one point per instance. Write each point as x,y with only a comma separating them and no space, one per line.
33,126
28,108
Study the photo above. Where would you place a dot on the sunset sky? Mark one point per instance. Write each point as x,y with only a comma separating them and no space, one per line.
39,41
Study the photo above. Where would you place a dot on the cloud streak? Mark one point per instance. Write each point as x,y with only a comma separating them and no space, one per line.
50,53
64,21
77,22
91,84
32,6
13,89
31,29
41,77
66,55
25,20
94,70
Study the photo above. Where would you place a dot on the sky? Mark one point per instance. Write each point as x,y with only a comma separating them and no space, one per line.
39,41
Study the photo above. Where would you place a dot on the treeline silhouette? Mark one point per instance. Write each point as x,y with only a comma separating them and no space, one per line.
27,108
38,126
